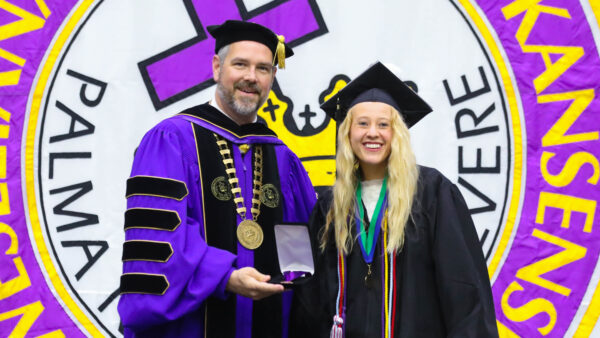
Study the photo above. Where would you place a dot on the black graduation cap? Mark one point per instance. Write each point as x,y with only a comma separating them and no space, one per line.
378,84
233,30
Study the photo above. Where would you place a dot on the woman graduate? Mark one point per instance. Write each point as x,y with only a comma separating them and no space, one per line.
399,255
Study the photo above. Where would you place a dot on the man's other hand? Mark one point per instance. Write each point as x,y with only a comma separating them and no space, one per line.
250,283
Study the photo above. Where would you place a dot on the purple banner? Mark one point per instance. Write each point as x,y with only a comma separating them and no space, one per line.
543,261
27,306
551,50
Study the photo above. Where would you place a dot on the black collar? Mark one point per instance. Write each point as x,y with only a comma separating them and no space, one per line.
211,114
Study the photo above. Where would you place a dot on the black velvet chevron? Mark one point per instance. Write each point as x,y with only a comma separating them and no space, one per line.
144,283
147,251
156,186
155,219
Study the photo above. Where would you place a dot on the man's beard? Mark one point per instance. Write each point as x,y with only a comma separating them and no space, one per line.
242,105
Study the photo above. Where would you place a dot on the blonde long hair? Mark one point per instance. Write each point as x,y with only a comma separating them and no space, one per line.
403,176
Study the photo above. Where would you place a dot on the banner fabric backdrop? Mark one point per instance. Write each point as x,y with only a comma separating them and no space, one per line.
512,84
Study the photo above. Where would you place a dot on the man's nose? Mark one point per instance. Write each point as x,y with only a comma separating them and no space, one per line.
250,74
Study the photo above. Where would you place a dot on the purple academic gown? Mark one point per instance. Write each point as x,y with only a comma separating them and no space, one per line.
180,244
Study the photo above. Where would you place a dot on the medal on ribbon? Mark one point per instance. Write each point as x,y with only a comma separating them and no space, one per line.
368,239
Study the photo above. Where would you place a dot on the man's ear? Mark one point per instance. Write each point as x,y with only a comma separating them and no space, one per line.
216,67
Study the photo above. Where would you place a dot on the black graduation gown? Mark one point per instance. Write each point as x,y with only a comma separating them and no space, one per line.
442,290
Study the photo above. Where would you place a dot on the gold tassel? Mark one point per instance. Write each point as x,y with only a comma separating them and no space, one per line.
280,52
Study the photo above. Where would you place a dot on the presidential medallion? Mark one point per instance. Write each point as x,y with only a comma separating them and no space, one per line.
249,234
269,195
220,188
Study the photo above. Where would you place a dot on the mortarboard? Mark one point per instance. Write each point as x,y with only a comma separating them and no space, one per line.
378,84
233,31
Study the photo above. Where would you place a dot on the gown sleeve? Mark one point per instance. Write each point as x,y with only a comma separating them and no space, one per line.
461,273
168,269
299,194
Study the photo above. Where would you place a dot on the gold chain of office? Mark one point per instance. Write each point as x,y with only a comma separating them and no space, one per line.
249,232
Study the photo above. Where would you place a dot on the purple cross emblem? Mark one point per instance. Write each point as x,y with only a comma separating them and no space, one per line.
185,69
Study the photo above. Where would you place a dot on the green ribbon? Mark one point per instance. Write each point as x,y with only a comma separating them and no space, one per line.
367,239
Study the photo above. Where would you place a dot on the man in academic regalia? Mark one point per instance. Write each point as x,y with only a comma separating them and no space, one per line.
206,189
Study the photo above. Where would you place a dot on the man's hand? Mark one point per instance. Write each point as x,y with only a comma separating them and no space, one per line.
251,283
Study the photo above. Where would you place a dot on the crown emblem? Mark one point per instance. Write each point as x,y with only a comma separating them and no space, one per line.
314,144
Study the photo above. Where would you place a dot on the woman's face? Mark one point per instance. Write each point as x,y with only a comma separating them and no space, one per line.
371,136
